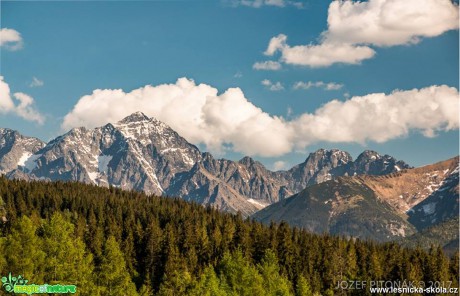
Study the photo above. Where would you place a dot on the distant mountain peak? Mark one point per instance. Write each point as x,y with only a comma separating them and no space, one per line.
369,154
247,161
135,117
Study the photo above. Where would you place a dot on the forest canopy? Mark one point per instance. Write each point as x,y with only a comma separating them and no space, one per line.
113,242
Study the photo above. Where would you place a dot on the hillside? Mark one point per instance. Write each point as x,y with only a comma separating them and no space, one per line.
378,207
344,206
445,234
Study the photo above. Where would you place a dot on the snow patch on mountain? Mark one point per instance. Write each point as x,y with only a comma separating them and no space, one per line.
25,156
258,204
30,164
103,163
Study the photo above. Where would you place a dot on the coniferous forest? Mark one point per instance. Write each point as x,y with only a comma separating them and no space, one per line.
114,242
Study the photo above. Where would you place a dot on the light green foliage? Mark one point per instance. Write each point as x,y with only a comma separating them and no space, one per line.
67,261
2,256
274,283
239,277
303,287
113,277
178,283
208,284
22,250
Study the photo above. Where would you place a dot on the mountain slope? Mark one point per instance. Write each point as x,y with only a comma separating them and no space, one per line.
421,197
345,206
16,149
441,205
405,189
136,153
445,234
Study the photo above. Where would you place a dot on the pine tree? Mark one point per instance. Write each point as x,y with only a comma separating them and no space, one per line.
113,275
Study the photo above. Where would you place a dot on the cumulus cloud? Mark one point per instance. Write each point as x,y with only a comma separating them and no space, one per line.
267,65
10,39
197,112
321,55
203,116
273,86
389,22
36,82
379,117
260,3
25,107
317,84
355,26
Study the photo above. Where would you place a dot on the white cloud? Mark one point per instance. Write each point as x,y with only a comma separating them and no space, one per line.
25,109
10,39
260,3
389,22
379,117
36,82
322,55
277,86
203,116
197,112
318,84
267,65
354,26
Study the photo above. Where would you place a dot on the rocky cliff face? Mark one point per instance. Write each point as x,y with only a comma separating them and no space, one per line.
145,154
16,150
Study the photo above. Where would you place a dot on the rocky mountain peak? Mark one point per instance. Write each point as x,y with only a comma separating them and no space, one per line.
333,158
368,155
247,161
16,149
371,162
135,117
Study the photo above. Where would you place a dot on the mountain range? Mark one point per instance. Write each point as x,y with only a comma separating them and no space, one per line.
373,196
144,154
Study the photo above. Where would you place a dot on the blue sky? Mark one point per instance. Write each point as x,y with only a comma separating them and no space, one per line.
73,48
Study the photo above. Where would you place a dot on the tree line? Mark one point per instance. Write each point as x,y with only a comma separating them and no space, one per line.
113,242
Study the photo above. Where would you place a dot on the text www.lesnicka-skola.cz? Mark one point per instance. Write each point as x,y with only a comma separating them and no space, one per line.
408,287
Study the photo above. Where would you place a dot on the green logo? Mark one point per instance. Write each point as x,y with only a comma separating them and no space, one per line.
19,285
10,282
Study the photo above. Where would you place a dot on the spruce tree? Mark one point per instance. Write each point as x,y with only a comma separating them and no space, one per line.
208,284
67,261
113,275
274,283
22,251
